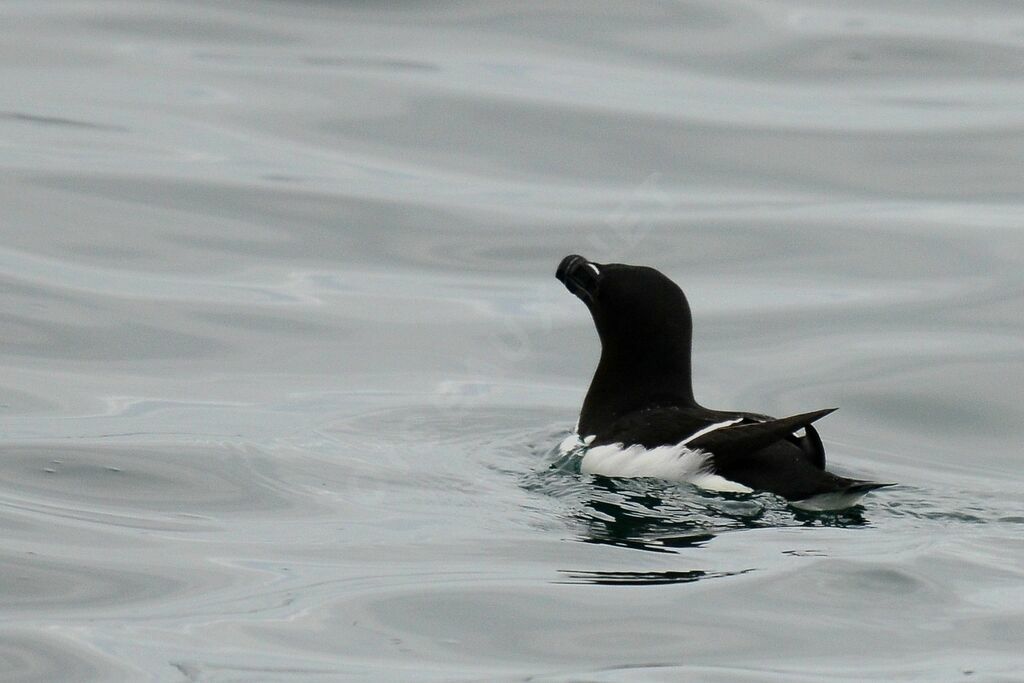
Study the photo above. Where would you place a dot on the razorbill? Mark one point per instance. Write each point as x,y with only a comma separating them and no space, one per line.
639,418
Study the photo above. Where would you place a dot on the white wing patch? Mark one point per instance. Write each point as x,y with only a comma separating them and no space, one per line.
710,428
676,463
673,463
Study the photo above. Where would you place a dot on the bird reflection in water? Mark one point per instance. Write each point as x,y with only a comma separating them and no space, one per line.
643,578
651,516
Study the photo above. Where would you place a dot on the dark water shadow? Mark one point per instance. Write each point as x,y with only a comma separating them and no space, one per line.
59,121
659,516
608,578
850,517
641,515
662,517
661,544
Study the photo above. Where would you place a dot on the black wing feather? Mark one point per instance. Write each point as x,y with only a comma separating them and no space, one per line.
810,444
746,438
654,427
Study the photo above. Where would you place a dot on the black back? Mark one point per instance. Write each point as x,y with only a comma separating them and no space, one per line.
642,391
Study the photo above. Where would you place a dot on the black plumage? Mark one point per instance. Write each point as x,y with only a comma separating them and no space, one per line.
642,390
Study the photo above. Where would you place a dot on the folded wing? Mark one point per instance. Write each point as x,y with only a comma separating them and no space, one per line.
744,438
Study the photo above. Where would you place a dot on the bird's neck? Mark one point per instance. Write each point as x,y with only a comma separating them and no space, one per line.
629,379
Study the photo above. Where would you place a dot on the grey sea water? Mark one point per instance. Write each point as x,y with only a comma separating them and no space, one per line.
283,360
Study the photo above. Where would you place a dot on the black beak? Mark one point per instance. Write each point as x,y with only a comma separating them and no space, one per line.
579,276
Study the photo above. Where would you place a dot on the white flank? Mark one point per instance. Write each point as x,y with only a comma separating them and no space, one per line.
716,482
838,500
673,463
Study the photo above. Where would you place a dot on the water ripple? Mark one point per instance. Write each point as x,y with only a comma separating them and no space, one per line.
283,357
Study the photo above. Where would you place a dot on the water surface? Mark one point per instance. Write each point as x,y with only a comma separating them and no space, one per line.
284,360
